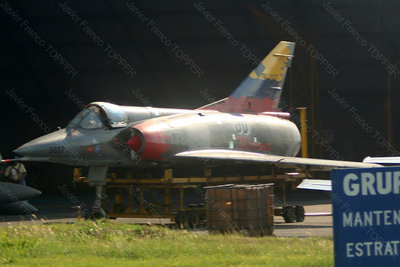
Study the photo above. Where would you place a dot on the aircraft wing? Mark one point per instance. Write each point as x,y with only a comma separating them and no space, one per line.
279,161
316,184
382,160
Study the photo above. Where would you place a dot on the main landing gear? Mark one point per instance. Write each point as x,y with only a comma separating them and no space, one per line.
290,214
293,214
191,217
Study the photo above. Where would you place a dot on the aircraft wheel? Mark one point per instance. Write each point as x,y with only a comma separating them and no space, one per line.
300,213
95,215
194,219
182,220
288,214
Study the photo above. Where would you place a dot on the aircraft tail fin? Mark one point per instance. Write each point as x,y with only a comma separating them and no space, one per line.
261,90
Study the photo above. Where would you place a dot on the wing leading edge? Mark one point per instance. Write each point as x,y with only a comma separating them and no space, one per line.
279,161
316,184
382,160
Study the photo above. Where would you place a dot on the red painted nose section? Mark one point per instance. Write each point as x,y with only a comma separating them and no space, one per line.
135,143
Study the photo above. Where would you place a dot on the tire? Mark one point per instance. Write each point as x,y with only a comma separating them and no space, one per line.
288,214
299,213
182,220
194,219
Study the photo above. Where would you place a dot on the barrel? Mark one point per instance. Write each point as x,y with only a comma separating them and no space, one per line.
245,209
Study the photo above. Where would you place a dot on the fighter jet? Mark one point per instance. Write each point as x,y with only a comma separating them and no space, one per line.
247,126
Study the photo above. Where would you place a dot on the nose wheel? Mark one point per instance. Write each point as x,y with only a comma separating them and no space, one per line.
97,177
97,208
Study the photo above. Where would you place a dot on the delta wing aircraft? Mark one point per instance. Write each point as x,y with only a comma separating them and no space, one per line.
247,126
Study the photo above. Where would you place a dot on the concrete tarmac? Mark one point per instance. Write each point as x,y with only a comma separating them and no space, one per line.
318,221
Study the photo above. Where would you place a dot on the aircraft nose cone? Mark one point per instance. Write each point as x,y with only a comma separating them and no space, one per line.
24,150
40,147
29,149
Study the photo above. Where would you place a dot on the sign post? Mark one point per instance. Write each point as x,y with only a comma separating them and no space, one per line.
366,216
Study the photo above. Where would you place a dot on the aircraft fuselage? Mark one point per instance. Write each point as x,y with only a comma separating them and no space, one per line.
162,138
151,139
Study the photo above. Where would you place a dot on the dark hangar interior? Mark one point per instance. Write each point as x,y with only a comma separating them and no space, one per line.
59,56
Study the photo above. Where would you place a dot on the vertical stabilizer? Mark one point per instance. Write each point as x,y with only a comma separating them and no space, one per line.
261,90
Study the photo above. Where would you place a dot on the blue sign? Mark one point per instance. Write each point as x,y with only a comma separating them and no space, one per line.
366,216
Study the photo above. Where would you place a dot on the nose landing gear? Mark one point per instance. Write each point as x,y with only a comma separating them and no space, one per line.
97,208
97,177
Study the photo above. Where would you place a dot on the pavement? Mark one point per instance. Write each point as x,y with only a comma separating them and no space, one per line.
318,222
59,209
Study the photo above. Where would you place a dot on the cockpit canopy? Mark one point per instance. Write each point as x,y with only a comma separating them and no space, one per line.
98,115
